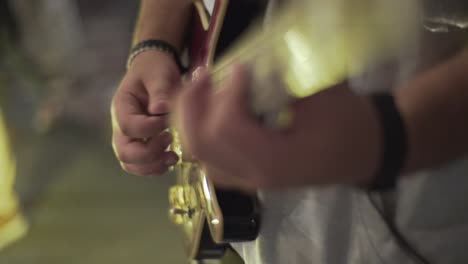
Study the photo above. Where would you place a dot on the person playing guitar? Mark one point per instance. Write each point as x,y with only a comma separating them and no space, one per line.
358,177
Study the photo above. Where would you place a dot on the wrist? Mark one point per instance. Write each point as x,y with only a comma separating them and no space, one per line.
393,142
367,140
159,46
351,145
142,35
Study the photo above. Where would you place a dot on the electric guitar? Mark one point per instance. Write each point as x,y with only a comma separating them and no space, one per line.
311,45
211,218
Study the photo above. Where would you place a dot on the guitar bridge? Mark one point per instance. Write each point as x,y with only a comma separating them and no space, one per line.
192,203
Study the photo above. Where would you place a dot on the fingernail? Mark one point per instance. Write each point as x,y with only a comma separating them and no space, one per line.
170,161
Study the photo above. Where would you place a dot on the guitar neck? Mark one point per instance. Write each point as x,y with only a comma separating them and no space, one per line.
315,44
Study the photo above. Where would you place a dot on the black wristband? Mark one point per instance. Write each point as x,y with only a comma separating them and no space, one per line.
155,44
394,143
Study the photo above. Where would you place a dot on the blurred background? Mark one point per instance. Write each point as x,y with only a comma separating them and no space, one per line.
63,196
60,61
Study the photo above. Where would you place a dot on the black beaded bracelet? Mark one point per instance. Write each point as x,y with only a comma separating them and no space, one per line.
155,44
394,143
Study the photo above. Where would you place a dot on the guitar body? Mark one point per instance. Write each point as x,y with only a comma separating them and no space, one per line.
236,215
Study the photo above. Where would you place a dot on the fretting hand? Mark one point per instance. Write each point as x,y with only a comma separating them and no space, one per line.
334,137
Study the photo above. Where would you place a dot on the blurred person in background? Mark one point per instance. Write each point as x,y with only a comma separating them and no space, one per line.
46,58
421,220
39,40
13,225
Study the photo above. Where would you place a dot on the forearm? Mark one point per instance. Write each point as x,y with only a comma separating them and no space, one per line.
163,19
435,111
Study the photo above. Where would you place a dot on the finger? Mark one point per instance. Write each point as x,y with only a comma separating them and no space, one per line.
237,88
232,123
238,98
191,106
160,92
140,152
156,168
232,99
129,117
